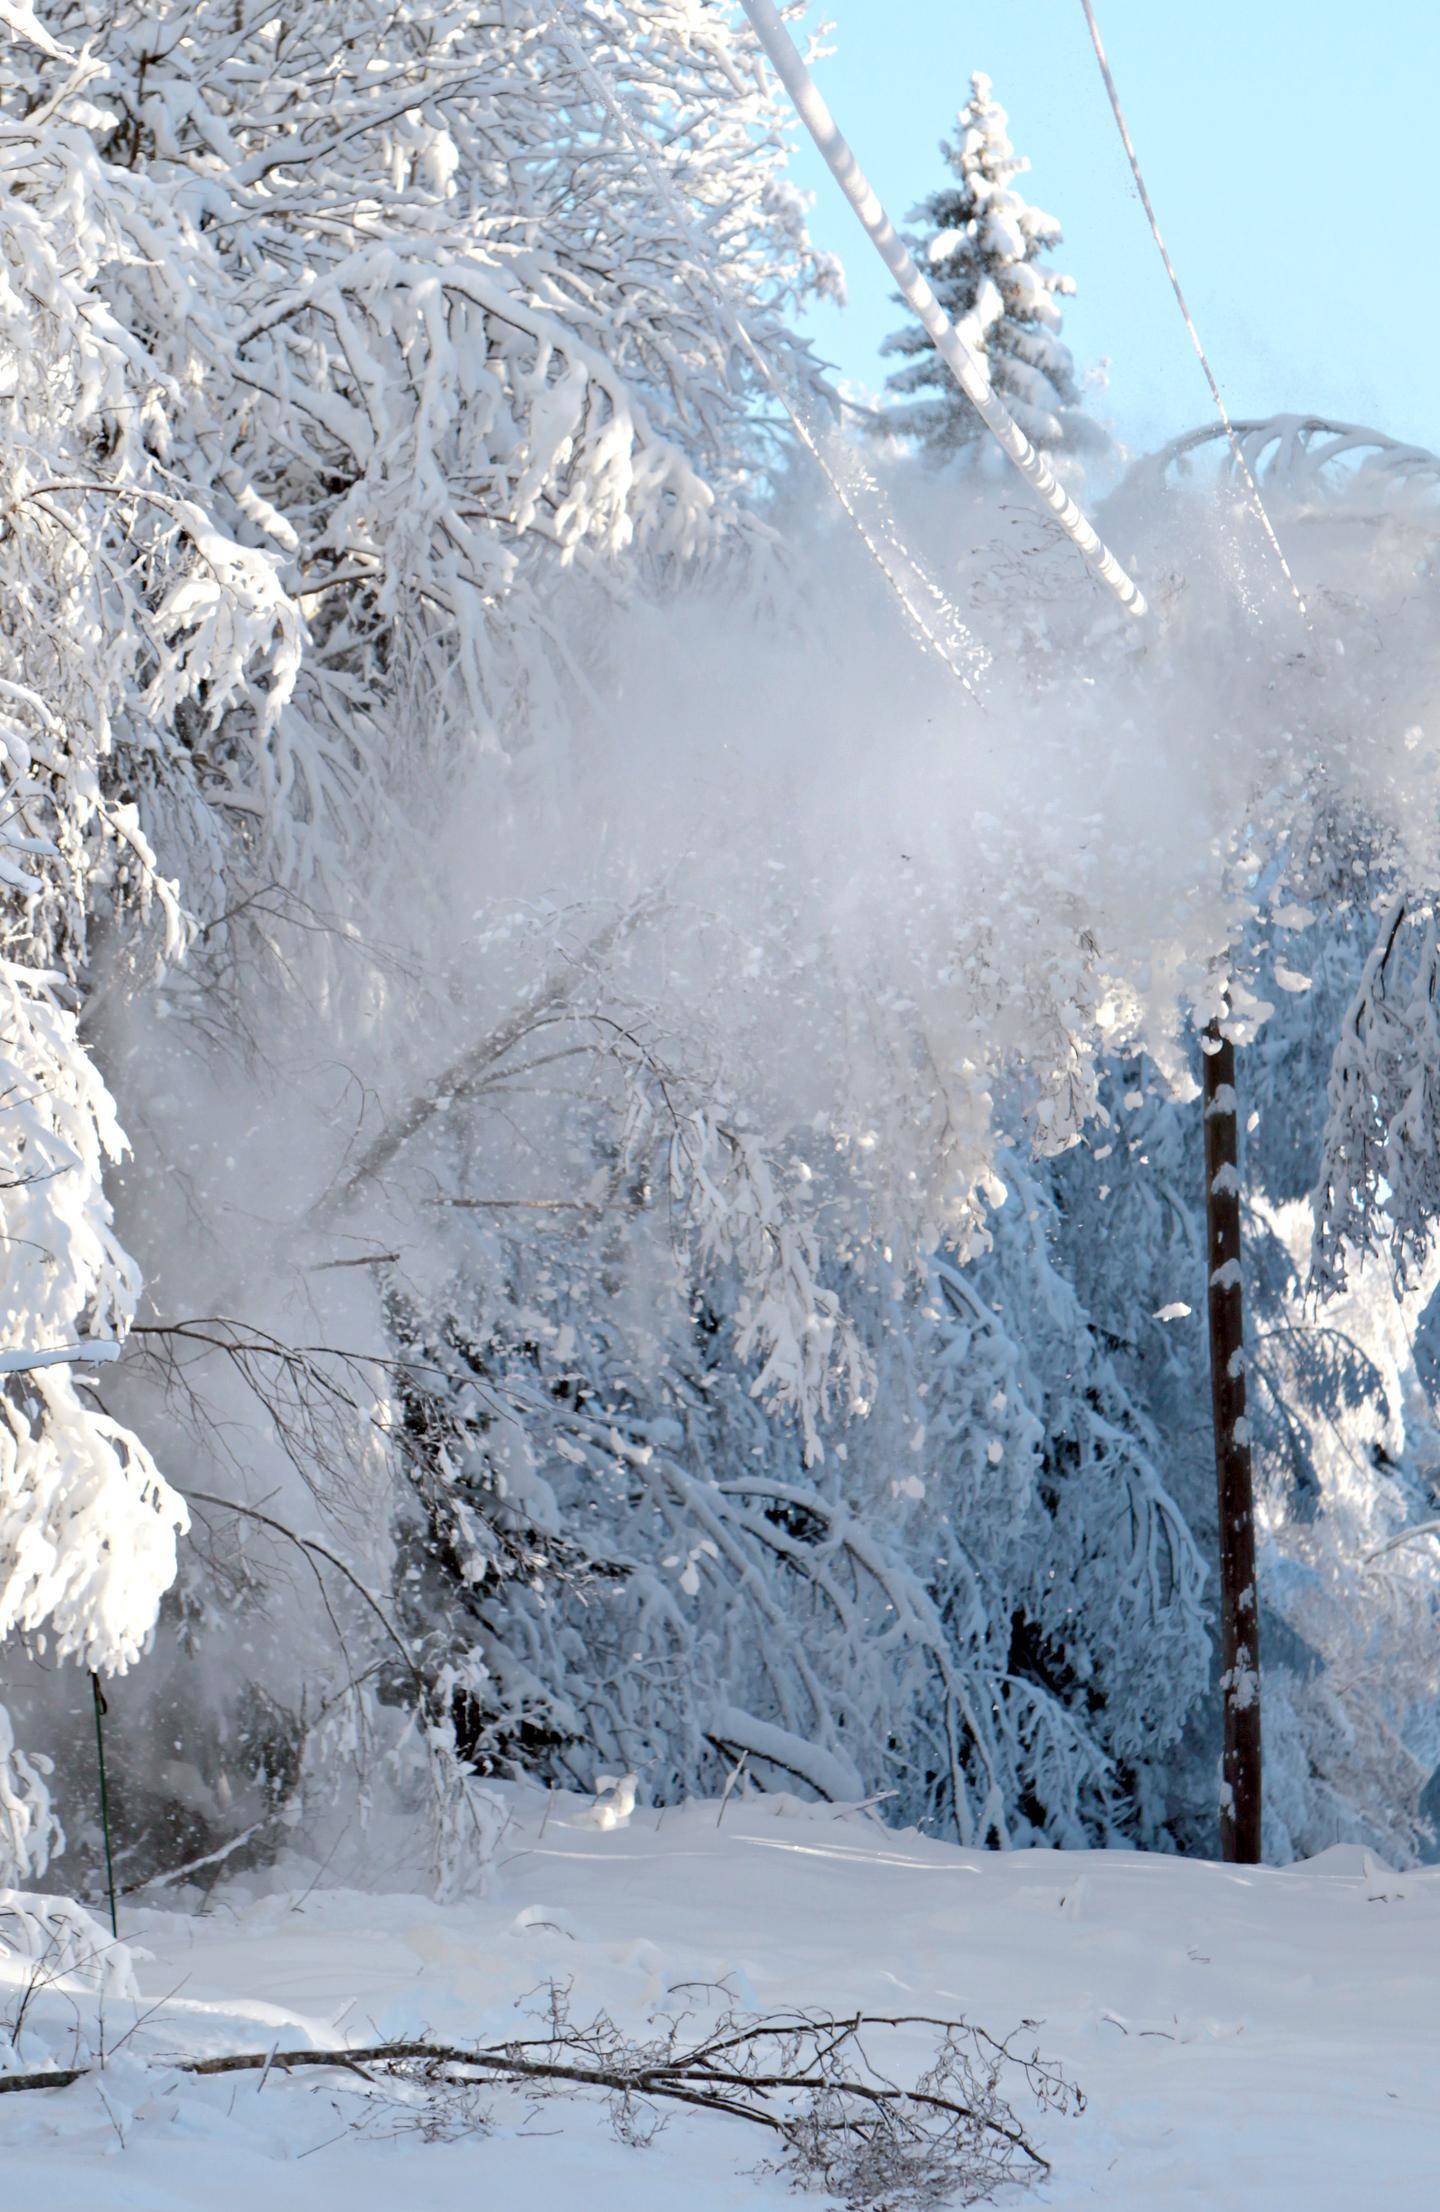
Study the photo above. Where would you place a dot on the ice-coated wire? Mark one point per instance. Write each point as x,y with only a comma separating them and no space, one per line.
966,366
1247,474
920,627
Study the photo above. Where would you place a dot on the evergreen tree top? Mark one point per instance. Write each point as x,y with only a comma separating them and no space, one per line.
981,243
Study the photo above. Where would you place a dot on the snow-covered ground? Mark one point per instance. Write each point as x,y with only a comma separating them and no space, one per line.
1244,2039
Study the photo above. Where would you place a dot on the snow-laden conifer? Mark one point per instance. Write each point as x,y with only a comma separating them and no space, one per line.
985,250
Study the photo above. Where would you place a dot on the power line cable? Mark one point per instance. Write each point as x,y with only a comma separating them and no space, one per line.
965,365
1242,464
921,628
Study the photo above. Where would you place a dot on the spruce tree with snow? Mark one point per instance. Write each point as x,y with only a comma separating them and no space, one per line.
982,247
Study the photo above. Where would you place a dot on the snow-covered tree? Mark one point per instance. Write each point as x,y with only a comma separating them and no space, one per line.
320,351
984,249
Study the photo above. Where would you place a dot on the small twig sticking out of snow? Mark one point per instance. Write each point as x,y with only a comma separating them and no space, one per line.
730,1780
865,1805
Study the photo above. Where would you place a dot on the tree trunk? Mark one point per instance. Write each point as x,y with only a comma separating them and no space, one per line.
1239,1604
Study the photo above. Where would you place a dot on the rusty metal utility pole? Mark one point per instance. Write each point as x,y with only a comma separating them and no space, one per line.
1239,1602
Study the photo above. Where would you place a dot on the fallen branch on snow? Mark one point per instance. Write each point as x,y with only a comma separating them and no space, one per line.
838,2121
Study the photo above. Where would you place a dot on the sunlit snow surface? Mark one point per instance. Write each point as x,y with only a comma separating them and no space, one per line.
1245,2039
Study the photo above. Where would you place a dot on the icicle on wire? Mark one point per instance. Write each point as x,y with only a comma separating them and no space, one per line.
916,621
918,624
964,365
1247,474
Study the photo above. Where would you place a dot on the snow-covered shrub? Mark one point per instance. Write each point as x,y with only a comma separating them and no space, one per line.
29,1832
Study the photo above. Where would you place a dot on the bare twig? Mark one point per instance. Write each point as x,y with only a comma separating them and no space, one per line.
468,1073
313,1545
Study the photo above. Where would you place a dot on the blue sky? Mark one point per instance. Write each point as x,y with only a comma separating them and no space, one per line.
1292,151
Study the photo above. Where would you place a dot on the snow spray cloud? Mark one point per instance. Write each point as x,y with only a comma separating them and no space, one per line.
869,894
